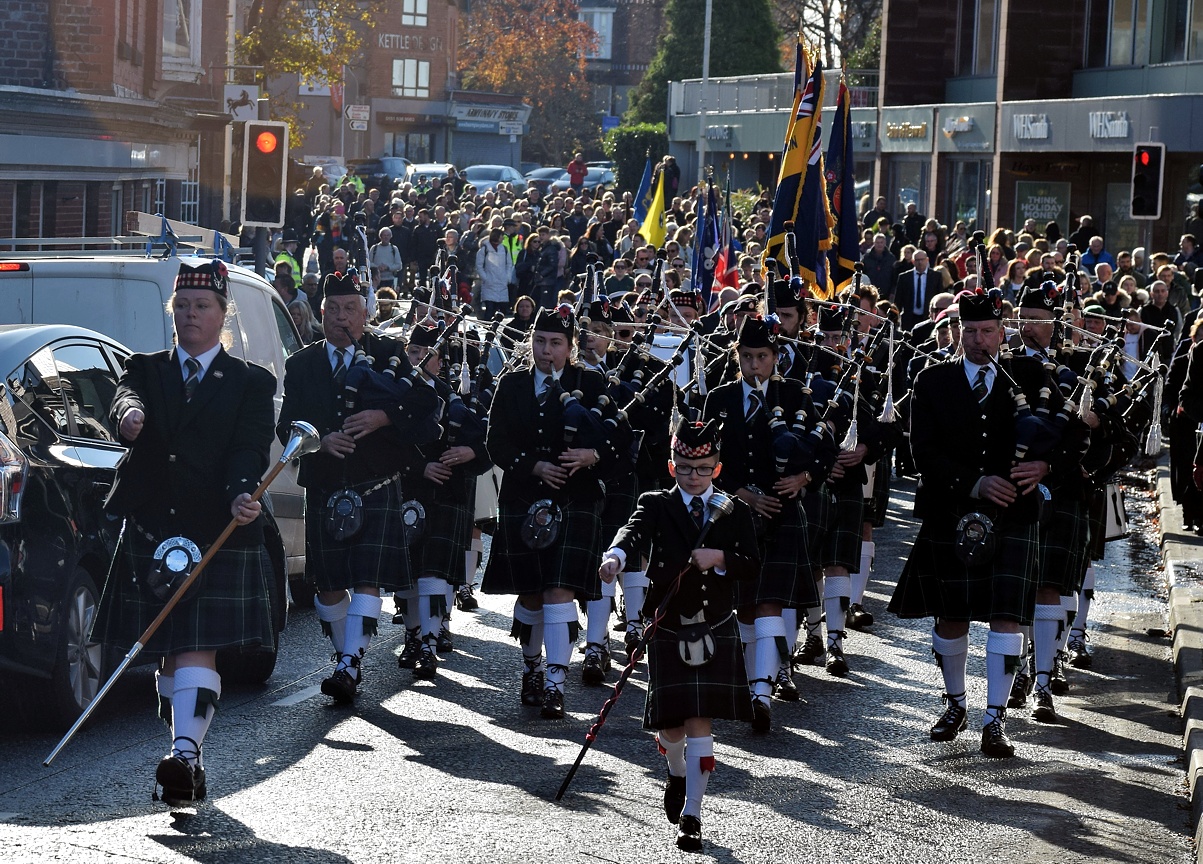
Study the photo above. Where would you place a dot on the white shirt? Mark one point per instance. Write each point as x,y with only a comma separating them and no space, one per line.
971,374
204,360
1132,349
543,379
748,388
348,355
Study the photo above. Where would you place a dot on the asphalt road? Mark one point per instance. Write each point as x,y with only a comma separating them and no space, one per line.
457,770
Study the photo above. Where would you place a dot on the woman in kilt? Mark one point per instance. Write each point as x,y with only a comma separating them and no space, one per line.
447,492
691,681
198,423
548,536
786,578
597,336
355,484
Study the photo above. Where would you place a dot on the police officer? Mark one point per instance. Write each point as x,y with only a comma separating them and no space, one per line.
198,425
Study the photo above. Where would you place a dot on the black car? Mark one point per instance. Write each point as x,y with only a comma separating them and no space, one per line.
58,456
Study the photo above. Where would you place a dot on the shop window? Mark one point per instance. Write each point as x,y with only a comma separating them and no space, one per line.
1129,32
602,22
181,36
413,13
411,78
977,36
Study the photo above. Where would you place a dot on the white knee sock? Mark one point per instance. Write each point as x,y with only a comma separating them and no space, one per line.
472,560
557,639
1002,659
363,614
407,604
837,593
165,687
1069,608
790,619
334,620
747,635
699,765
860,579
432,603
1085,598
1046,630
634,593
532,648
193,704
768,656
674,752
952,655
814,621
597,616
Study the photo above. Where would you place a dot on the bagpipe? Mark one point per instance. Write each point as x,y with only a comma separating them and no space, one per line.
366,389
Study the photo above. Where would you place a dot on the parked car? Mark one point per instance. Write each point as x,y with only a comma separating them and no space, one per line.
382,172
124,297
543,178
429,170
58,458
486,177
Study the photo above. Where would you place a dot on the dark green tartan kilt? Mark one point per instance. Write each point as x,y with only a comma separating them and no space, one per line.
570,563
819,507
878,503
841,543
450,510
230,607
934,582
375,557
786,571
619,505
676,692
1096,520
1063,546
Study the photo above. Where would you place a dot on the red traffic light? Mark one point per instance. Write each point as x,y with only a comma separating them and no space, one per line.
267,142
1143,156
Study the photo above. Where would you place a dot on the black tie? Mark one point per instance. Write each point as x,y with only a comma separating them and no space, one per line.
919,286
753,405
697,510
340,366
193,366
980,390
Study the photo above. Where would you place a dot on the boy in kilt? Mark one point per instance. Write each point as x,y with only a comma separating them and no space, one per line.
974,474
354,531
690,681
743,408
1063,535
198,424
447,492
548,536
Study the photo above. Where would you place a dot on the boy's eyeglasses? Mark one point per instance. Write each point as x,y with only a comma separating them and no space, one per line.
687,470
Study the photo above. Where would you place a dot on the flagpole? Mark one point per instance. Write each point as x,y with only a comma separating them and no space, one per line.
705,87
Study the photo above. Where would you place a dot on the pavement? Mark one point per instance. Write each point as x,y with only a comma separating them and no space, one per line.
1182,551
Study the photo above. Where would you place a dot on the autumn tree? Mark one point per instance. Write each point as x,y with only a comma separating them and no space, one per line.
312,39
838,27
744,41
535,49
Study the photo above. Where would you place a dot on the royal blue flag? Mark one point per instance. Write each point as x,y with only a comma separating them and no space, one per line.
643,198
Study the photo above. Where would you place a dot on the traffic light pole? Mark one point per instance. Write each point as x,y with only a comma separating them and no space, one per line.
261,236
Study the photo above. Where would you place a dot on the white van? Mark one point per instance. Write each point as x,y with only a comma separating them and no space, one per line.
125,297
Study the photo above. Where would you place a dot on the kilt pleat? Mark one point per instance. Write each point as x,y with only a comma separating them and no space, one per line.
449,521
676,692
877,504
1063,546
621,495
934,582
570,563
842,541
819,506
230,608
786,572
375,557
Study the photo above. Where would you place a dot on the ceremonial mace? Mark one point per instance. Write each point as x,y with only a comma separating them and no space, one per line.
720,505
304,439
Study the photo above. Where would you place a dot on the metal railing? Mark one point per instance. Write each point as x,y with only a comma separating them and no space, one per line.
745,93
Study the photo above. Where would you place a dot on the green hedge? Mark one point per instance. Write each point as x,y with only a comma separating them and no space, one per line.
628,146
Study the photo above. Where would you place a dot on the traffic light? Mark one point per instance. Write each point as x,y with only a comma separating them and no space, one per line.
1148,171
264,173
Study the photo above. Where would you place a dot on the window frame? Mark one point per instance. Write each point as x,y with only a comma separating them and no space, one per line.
415,90
415,13
176,67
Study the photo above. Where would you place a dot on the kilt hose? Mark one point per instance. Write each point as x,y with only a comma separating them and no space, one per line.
449,521
934,582
1063,546
570,562
375,557
676,692
786,572
229,608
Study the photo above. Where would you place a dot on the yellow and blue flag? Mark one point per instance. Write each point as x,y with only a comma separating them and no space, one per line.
841,186
643,198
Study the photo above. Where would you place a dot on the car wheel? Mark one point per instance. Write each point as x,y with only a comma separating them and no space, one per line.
79,661
303,590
